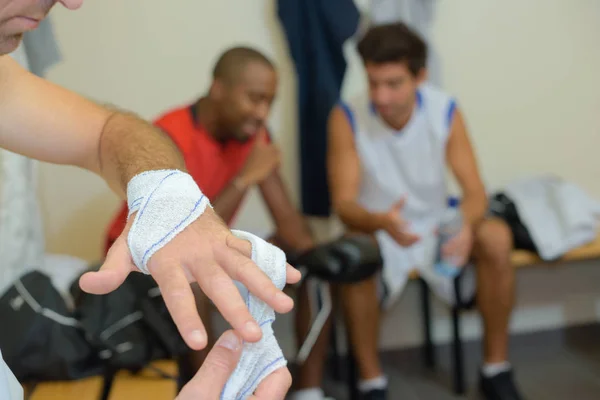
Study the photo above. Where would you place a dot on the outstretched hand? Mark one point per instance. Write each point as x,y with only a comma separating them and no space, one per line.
396,226
208,253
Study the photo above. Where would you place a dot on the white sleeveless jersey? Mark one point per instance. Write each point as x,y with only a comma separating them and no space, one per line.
409,163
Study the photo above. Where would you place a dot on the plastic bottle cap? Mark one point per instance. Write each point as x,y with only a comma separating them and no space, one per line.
453,202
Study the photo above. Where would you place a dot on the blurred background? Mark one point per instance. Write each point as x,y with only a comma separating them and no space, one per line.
525,75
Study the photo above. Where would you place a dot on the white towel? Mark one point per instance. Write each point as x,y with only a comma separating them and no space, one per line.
259,359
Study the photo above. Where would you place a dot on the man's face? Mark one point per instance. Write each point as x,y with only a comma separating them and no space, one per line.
20,16
246,103
392,88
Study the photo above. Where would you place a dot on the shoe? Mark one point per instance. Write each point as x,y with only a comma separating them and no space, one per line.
375,394
499,387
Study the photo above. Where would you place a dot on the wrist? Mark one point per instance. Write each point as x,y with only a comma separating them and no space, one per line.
241,182
379,221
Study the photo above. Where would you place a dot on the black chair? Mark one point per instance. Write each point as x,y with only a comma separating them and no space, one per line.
458,368
346,260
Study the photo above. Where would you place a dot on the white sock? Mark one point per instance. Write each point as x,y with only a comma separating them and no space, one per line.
367,385
308,394
492,369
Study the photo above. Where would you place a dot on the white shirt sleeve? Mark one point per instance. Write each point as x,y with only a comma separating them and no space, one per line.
10,388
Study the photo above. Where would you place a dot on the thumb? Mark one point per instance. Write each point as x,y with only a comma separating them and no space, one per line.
112,274
397,206
216,369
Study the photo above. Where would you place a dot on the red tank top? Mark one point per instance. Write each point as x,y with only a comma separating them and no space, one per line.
210,163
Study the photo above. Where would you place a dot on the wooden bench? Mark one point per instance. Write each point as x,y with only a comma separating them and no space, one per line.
520,259
148,384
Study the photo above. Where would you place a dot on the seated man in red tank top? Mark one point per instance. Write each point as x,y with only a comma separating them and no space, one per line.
227,150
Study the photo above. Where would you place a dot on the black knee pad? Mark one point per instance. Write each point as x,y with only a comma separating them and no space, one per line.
345,260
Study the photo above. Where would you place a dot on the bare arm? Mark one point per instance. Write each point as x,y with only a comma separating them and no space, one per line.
343,166
462,162
291,226
43,121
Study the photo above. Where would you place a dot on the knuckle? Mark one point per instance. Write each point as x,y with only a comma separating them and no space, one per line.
175,294
220,363
219,283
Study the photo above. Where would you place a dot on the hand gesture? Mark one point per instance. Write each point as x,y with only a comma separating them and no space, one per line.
263,159
398,228
208,253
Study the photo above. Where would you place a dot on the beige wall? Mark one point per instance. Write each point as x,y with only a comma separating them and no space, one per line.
526,79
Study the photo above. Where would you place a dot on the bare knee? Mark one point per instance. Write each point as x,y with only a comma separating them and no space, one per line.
493,244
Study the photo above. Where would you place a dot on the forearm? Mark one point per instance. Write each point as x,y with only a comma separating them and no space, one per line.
473,208
44,121
230,198
295,233
129,145
358,218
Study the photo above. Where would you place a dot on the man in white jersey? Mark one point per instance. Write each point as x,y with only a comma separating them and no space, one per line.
46,122
387,156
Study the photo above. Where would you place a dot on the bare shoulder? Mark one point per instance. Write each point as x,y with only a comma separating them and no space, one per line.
339,128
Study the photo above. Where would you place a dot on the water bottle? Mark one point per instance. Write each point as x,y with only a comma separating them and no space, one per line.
450,225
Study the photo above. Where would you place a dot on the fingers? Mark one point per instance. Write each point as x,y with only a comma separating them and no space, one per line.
179,299
244,247
242,269
209,381
219,287
274,386
292,275
241,245
114,271
406,239
451,247
399,204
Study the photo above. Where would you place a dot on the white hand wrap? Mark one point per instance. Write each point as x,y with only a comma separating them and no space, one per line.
258,359
166,201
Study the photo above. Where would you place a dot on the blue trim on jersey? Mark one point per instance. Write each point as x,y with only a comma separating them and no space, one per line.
450,114
349,115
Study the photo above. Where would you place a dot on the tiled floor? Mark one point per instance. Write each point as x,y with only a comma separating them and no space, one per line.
554,365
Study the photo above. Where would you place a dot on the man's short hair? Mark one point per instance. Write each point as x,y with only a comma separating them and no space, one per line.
232,62
391,43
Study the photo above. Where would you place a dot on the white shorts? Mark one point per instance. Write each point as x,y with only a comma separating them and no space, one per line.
399,262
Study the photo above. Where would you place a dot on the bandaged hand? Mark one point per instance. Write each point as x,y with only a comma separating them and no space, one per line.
178,239
220,363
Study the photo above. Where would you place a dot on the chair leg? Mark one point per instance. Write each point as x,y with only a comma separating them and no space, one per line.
459,373
352,375
428,348
338,363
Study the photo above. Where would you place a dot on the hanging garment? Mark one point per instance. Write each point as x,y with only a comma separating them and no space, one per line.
418,15
316,31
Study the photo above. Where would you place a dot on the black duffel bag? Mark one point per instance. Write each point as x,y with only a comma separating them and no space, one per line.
39,337
501,206
131,326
